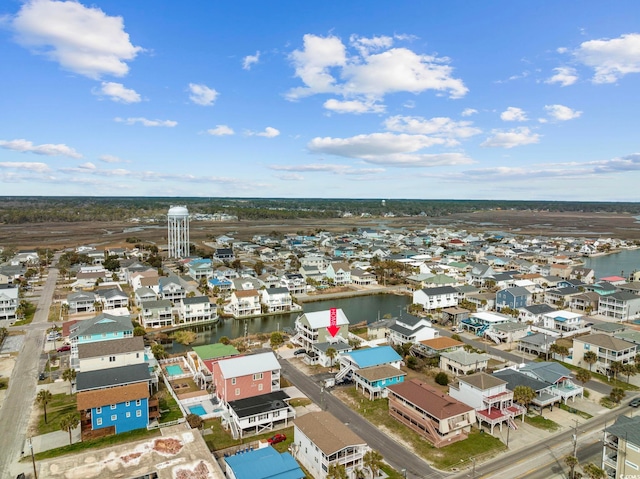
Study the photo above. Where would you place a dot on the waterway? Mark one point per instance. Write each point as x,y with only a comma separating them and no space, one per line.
617,264
357,309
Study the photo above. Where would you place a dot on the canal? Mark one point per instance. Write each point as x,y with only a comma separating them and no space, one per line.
357,309
617,264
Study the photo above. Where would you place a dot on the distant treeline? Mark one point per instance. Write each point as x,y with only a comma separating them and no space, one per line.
17,210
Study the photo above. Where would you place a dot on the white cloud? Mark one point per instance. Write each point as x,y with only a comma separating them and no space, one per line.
327,168
564,75
221,130
250,60
48,149
81,39
33,167
111,159
439,126
202,94
469,112
611,59
146,122
117,92
561,112
291,177
325,66
87,166
269,132
509,139
388,149
353,106
513,114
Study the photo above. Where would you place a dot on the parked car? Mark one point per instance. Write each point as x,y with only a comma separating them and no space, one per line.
53,336
41,377
277,438
63,348
634,402
299,352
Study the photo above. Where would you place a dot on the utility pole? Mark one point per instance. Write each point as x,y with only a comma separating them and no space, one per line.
33,460
575,439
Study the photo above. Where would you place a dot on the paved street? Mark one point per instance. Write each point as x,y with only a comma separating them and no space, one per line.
394,453
14,413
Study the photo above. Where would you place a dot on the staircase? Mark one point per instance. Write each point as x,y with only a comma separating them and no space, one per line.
493,336
512,424
345,368
482,330
297,339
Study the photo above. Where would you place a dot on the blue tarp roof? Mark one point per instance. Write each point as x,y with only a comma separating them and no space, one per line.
265,463
365,358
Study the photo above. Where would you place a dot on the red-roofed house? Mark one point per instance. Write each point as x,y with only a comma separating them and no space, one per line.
439,418
614,280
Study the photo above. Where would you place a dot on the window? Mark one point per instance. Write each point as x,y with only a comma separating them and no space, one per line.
98,410
260,387
114,417
257,376
252,419
112,359
128,414
128,403
262,417
237,391
138,402
631,464
633,447
276,413
233,381
113,406
99,421
138,413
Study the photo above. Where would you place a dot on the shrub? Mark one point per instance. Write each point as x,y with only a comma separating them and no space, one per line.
442,379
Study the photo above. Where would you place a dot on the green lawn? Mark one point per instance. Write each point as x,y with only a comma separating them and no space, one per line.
60,405
572,410
614,383
377,412
222,439
542,423
169,409
297,402
102,442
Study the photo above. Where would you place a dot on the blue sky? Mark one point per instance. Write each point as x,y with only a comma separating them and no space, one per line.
336,99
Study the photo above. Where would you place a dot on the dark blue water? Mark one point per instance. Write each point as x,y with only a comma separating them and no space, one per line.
361,308
618,264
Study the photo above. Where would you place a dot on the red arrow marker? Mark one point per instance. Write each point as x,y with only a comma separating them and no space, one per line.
333,320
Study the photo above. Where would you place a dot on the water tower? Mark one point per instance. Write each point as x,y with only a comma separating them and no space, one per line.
178,231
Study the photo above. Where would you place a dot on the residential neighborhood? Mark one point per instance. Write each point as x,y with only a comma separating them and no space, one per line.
500,337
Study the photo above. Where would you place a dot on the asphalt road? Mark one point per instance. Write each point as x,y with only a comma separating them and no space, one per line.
15,411
397,455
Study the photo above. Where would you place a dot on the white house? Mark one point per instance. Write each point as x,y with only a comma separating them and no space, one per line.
197,309
339,272
434,298
245,303
276,299
411,329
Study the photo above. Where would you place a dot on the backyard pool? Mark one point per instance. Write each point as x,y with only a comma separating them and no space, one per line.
174,370
198,410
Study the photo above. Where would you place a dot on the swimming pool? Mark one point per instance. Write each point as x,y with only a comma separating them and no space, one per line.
198,410
174,370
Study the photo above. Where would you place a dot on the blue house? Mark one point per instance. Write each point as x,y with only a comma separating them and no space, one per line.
512,298
374,380
373,369
104,327
263,463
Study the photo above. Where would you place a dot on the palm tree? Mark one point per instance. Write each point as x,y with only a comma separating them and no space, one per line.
590,357
331,354
524,395
68,423
44,397
629,369
615,367
583,376
69,375
337,471
571,462
593,471
372,461
616,395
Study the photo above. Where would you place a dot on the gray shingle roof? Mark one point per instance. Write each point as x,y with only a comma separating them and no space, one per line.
114,346
104,378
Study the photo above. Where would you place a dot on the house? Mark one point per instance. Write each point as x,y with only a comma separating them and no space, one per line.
439,418
563,321
320,353
537,343
353,361
621,306
104,327
113,298
463,362
200,268
144,294
245,303
379,329
110,354
586,302
156,314
621,447
9,301
276,299
374,380
339,272
557,376
512,298
545,395
436,346
506,332
81,302
201,360
295,283
454,315
312,327
224,254
362,277
490,398
436,298
246,376
171,288
262,463
321,441
478,323
533,313
608,349
480,274
260,413
411,329
197,309
560,296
